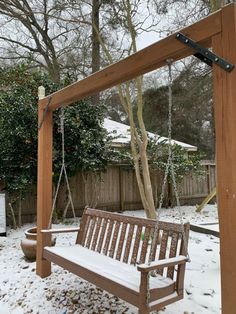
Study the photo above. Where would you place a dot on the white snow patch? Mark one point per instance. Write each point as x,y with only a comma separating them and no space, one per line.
120,133
22,292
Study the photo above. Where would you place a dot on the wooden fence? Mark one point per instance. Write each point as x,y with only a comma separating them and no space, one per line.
117,190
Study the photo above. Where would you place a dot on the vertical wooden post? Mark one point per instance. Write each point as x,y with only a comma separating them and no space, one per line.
224,45
121,178
44,187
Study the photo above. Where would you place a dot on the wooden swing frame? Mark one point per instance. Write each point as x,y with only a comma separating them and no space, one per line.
217,31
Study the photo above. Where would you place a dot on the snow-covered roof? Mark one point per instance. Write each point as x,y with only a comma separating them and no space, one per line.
121,134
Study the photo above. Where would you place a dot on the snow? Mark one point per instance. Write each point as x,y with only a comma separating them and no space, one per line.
121,273
2,214
22,292
176,260
121,134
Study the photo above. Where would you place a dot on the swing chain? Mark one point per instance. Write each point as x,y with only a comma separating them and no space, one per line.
169,167
63,169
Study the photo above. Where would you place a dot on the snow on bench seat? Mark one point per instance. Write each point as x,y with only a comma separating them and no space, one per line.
121,273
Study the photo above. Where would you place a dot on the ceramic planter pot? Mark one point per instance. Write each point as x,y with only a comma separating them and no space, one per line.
29,244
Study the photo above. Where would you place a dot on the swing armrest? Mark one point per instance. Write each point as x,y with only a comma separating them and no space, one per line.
163,263
62,230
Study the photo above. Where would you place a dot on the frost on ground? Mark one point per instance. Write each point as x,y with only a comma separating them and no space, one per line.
21,291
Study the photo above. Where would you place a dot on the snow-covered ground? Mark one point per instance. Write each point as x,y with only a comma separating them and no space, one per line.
21,291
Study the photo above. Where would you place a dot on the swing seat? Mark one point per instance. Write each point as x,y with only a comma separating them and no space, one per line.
108,248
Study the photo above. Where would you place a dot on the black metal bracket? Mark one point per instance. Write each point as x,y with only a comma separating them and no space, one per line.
205,54
44,113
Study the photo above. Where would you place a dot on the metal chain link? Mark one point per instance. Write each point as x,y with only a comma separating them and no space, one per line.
63,169
169,167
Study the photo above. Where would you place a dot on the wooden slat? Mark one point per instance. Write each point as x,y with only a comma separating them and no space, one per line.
173,250
108,237
102,234
95,237
80,236
121,217
85,229
136,245
145,245
156,240
90,232
162,255
163,225
128,243
146,60
121,241
114,239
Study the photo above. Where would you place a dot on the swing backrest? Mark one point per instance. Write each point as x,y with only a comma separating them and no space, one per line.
127,238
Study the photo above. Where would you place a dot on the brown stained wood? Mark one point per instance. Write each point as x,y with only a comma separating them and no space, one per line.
146,60
159,264
121,217
145,245
102,234
136,245
128,243
61,230
84,232
95,278
180,279
97,230
173,251
95,237
114,239
121,241
143,308
90,232
225,128
44,191
155,243
108,236
134,220
163,246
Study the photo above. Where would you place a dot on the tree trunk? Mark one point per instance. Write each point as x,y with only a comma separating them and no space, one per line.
13,216
138,142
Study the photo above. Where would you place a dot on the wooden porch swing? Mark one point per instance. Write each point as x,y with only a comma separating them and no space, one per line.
113,270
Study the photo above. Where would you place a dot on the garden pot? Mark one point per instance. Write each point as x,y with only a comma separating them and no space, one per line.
29,244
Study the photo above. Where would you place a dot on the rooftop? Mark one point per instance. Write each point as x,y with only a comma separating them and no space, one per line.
121,134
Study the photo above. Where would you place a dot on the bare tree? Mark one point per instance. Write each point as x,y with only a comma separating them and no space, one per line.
125,12
33,32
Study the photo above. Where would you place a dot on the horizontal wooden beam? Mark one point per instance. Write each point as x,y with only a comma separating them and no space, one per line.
144,61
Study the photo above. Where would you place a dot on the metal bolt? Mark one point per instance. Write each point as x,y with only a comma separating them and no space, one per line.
186,40
216,59
206,53
178,35
228,66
